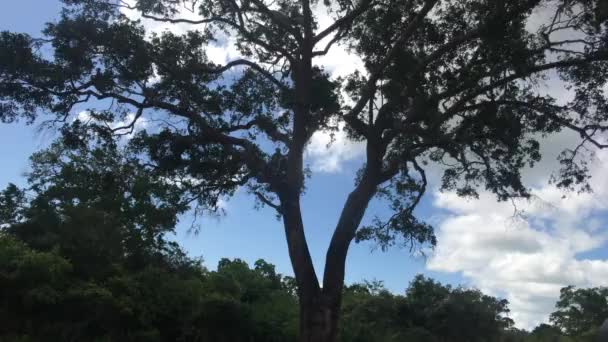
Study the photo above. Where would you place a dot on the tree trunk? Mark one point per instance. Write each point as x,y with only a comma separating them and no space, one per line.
320,307
318,320
320,313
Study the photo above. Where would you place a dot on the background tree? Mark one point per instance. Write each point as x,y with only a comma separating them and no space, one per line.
460,313
545,332
445,82
429,311
86,257
580,311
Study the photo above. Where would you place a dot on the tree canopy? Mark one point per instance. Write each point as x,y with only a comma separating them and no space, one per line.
445,82
581,311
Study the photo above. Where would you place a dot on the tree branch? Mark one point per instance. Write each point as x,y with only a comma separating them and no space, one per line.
268,202
369,88
350,219
131,125
582,131
323,52
269,13
599,56
264,126
239,27
254,66
344,21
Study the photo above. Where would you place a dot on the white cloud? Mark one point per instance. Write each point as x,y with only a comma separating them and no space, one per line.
339,61
527,259
83,116
327,151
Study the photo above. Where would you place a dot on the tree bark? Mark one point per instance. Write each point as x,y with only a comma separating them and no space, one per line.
313,317
318,318
318,321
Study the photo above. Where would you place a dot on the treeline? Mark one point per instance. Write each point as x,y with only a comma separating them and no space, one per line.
84,257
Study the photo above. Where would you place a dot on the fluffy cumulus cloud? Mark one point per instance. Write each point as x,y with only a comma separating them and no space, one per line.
328,151
526,251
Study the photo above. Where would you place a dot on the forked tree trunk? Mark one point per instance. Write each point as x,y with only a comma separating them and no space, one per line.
318,321
320,306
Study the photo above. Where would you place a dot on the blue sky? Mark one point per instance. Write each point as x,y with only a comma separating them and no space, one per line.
527,261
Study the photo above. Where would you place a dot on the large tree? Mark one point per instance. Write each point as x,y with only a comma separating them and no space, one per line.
450,82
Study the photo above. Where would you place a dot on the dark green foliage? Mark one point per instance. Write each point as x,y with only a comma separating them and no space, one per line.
12,199
85,258
429,311
581,311
44,299
98,198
